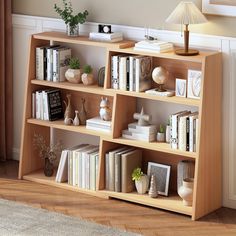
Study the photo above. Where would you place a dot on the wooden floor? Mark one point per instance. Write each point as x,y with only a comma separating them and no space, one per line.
120,214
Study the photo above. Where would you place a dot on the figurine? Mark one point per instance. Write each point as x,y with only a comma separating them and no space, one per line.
68,115
105,111
153,187
83,113
76,119
143,119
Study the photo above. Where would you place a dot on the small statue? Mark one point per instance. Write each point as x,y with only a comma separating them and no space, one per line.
153,187
69,111
105,111
76,119
143,119
83,113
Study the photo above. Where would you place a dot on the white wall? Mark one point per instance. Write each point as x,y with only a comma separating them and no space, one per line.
24,26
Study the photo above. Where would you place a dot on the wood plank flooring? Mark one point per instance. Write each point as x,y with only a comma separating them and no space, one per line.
115,213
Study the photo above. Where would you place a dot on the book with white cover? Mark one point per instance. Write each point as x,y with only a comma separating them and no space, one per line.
182,133
49,52
62,172
98,121
114,40
139,136
123,68
92,171
33,105
112,35
134,127
192,117
103,129
107,171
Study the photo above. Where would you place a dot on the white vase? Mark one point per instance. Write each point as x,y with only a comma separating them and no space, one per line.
142,184
168,133
160,137
73,75
186,191
87,79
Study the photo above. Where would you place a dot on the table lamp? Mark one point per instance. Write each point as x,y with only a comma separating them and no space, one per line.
186,13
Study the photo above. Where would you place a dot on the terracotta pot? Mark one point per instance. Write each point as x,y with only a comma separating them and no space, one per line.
186,191
73,75
142,184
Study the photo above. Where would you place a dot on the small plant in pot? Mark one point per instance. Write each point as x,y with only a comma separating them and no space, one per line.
73,74
161,134
87,76
141,180
71,20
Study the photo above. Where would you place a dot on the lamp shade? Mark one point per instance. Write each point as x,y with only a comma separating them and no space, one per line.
186,13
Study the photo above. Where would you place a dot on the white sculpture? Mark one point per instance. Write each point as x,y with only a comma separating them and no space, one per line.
105,111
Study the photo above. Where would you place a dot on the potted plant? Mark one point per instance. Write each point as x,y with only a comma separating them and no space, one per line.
71,20
161,134
73,74
87,76
141,180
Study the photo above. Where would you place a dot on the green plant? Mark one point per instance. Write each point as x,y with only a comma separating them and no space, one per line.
162,129
137,173
67,14
74,63
87,69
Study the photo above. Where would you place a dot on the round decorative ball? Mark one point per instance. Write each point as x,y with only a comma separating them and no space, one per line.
159,75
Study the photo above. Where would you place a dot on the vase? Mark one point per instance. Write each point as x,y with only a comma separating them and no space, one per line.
160,137
76,119
185,169
48,168
87,79
168,133
72,30
73,75
142,184
69,114
186,191
83,113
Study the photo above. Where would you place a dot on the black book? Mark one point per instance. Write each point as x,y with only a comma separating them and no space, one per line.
55,110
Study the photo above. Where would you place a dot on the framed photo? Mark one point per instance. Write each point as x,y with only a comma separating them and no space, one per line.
162,174
180,88
219,7
194,84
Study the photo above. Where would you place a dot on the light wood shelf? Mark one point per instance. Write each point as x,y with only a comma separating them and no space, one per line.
39,177
171,203
207,193
59,124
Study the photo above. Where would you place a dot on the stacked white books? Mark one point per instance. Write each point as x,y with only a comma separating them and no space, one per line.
98,124
108,37
142,133
153,46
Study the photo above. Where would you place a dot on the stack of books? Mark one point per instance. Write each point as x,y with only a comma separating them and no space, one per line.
107,37
184,130
98,124
153,46
143,133
119,165
79,166
47,105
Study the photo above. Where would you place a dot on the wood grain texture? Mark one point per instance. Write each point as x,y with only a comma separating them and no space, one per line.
123,215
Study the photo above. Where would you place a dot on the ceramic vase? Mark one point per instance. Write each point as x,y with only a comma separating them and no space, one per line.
168,133
83,113
69,111
142,184
186,191
76,119
73,75
87,79
160,137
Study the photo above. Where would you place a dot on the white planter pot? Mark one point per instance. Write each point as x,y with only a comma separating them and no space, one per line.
186,191
142,184
73,75
87,79
160,137
168,133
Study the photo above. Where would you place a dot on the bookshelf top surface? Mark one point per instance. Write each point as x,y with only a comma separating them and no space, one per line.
84,40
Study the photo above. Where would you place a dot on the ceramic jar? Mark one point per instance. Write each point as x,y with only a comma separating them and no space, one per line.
87,79
73,75
160,137
142,184
186,191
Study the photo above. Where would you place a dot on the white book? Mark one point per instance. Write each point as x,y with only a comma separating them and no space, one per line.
153,51
114,40
37,98
139,136
153,44
105,35
61,169
49,52
182,133
92,170
98,129
97,120
115,72
33,105
197,133
131,73
45,105
167,93
107,171
143,129
123,73
191,136
39,63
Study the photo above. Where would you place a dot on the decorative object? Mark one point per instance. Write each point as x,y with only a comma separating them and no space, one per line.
219,7
185,169
162,174
87,76
105,111
76,119
46,152
83,113
153,187
141,180
101,76
68,115
143,119
73,74
186,191
104,28
180,88
72,21
168,132
194,84
186,13
159,76
161,134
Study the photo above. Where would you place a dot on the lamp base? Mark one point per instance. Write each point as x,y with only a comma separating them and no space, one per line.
190,52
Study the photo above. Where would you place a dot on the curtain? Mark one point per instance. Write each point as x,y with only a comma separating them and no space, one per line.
6,87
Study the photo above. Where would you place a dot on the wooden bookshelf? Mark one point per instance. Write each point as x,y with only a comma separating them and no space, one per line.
207,184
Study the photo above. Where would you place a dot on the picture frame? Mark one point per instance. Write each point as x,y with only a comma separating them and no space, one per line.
180,88
219,7
194,84
162,174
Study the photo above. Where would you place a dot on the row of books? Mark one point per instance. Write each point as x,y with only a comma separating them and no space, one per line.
106,37
52,62
47,104
119,165
153,46
79,166
131,73
184,130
